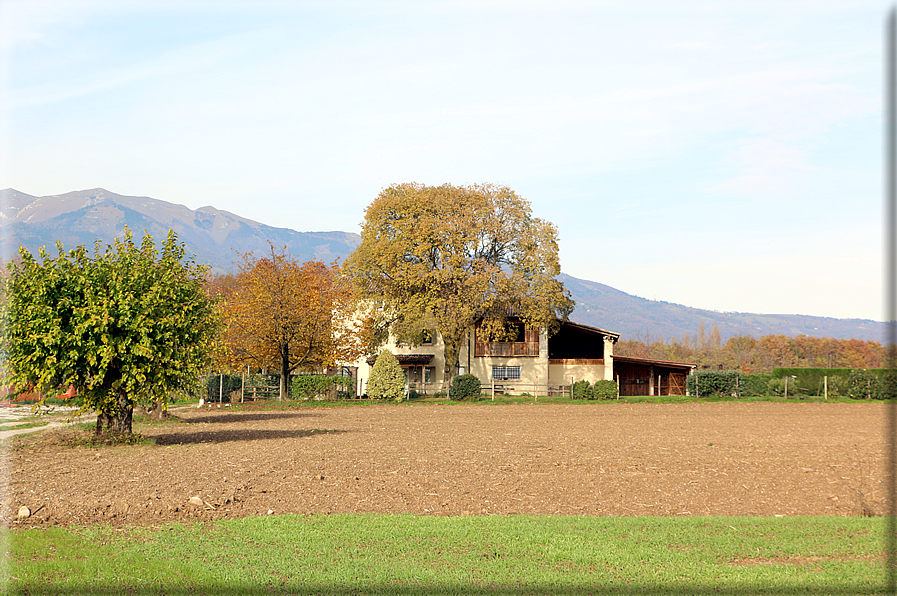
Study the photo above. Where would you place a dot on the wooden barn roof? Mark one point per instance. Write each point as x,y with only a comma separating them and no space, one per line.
653,362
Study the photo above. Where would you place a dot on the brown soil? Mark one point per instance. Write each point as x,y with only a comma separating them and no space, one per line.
604,459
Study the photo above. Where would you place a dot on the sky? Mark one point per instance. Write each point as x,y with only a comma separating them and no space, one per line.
721,155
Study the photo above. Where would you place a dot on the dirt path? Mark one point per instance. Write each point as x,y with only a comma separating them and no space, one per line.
604,459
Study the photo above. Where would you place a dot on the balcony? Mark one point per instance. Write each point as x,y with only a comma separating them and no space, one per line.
517,349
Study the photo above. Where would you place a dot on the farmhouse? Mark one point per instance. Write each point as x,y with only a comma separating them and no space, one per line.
535,363
532,362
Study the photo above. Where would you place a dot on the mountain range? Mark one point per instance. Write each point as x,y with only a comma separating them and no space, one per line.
217,238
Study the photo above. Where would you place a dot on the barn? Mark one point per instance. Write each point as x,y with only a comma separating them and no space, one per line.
646,376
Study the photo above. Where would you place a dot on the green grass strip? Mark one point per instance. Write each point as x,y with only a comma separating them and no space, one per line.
22,425
405,554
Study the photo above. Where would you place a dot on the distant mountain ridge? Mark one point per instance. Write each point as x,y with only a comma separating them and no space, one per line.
212,235
215,237
632,317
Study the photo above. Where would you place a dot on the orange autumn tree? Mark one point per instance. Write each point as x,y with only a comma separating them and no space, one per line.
289,315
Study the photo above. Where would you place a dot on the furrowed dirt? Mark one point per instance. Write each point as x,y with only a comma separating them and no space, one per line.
691,459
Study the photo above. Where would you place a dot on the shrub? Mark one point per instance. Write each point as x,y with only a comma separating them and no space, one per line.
864,384
414,394
837,386
756,384
776,387
713,382
582,390
605,390
440,393
387,379
889,385
465,387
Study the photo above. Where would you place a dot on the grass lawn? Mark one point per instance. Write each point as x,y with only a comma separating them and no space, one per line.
19,425
405,554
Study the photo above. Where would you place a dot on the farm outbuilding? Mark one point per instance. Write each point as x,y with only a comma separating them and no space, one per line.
645,376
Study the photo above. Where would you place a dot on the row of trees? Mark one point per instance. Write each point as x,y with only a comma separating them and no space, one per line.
130,324
127,325
760,355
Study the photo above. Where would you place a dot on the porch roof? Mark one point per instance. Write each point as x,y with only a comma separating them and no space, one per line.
685,366
590,329
407,359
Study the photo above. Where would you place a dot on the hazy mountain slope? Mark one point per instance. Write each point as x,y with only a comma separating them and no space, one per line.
214,236
638,318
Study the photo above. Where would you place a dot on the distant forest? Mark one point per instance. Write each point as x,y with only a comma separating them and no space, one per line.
751,355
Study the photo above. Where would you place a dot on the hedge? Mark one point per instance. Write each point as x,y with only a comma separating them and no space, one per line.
332,386
713,382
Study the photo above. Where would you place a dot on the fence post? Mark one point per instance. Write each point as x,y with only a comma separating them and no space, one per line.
825,387
220,386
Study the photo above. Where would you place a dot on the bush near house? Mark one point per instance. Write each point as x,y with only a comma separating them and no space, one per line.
465,388
605,390
582,390
387,381
600,390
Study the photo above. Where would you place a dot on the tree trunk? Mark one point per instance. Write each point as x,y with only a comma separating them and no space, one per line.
452,354
159,412
284,372
104,423
124,413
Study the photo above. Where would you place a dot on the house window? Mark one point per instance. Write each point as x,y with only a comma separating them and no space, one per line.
427,339
429,373
506,373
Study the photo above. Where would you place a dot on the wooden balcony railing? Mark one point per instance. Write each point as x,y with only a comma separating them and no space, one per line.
506,349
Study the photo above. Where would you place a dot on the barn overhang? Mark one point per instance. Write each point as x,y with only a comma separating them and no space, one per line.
648,376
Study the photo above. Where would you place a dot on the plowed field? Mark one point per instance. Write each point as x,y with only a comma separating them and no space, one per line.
687,459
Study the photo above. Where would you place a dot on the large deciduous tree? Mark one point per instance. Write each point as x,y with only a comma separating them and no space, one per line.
447,258
288,315
122,326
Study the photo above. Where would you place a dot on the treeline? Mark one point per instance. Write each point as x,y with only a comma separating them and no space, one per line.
752,355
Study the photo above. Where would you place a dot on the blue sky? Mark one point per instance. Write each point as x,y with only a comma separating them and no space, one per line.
719,155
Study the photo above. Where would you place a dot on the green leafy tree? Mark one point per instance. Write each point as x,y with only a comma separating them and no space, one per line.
387,381
446,258
123,326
